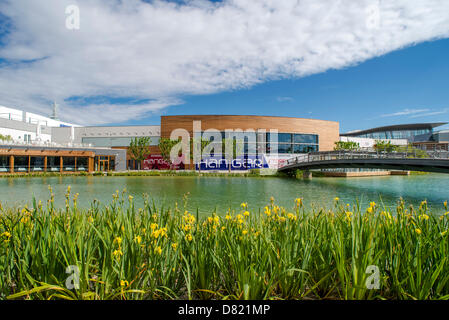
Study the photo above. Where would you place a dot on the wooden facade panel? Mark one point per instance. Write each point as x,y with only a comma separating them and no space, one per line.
328,131
12,153
43,153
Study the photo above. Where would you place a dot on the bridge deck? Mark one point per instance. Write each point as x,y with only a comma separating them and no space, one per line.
431,162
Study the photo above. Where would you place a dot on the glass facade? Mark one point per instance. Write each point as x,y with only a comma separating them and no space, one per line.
293,143
397,134
282,143
301,148
105,163
305,138
37,164
53,164
20,164
68,164
82,164
282,137
4,163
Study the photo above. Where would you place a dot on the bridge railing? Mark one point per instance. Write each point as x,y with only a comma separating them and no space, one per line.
345,155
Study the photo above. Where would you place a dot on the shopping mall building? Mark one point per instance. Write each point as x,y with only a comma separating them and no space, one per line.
420,135
40,144
266,140
34,143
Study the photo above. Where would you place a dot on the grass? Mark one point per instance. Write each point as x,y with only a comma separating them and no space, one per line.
42,174
418,173
191,173
145,173
298,174
124,252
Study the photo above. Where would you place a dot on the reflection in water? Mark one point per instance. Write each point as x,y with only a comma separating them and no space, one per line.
210,193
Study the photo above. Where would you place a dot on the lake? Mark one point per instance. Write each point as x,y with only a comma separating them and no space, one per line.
209,193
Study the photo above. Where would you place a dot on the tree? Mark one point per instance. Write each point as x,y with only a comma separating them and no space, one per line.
165,146
237,149
139,149
203,144
5,138
346,145
387,146
411,151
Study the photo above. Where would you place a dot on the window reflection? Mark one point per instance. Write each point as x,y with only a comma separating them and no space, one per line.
282,143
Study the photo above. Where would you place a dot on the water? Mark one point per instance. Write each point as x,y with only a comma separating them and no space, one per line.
209,193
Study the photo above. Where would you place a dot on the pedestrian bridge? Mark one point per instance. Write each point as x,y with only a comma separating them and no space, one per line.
437,161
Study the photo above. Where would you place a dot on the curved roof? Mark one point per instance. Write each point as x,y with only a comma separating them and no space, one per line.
240,115
397,127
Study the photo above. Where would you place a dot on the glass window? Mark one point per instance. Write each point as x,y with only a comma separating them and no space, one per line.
261,148
112,163
243,136
4,163
291,148
304,148
37,164
305,138
53,164
284,137
285,148
68,163
250,148
82,163
281,148
21,164
281,137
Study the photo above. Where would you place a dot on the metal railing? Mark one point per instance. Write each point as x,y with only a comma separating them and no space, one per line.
37,143
348,155
29,120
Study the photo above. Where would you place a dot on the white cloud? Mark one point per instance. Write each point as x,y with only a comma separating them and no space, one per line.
415,113
432,113
161,51
285,99
404,112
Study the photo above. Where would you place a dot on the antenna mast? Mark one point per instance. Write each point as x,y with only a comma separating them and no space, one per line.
54,115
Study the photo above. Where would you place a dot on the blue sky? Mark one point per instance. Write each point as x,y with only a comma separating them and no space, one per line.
413,81
362,63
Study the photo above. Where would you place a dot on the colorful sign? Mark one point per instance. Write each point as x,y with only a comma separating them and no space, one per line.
240,163
279,160
156,162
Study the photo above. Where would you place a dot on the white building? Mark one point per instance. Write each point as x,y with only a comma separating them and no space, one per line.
28,127
105,136
368,143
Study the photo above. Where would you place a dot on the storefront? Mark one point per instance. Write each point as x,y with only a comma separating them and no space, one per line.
17,159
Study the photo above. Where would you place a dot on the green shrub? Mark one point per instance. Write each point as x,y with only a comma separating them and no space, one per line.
124,252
